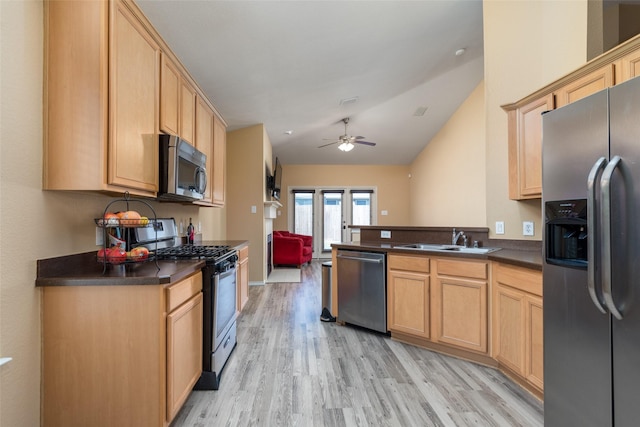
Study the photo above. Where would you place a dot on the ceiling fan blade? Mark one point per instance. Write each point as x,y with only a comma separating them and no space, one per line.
358,137
331,143
372,144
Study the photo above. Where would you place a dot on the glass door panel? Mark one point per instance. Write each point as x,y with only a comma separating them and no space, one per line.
332,219
303,213
360,208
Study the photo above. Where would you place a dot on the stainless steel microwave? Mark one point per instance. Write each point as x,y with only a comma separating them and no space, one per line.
183,172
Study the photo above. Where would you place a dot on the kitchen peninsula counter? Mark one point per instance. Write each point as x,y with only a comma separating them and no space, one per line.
525,253
85,270
523,258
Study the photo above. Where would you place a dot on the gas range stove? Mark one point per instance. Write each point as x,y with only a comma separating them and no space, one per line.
164,242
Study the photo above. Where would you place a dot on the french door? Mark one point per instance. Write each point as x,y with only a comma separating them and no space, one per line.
326,213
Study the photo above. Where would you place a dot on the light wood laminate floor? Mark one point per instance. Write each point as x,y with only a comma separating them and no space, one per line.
291,369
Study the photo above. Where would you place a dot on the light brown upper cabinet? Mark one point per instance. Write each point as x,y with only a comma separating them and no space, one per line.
525,148
187,111
219,161
134,74
525,122
111,85
628,67
177,101
204,141
169,97
102,71
591,83
211,139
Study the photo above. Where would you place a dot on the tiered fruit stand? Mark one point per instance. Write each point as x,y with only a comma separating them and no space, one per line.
117,226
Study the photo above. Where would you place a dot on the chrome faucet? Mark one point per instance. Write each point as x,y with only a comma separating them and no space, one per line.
455,237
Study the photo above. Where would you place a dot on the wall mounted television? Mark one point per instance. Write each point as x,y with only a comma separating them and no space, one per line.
276,181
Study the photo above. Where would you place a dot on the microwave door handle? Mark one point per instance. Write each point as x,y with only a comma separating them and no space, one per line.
201,183
591,232
605,185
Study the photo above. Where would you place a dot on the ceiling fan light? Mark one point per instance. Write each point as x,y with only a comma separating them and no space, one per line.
346,146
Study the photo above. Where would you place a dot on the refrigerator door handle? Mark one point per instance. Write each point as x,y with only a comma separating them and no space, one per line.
605,186
598,166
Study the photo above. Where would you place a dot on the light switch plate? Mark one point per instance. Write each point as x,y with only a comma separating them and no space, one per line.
385,234
499,227
527,228
384,212
254,209
99,236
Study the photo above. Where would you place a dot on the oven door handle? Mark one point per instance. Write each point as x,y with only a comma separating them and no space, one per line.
223,274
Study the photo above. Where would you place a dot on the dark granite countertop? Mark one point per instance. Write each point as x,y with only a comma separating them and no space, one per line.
524,258
85,270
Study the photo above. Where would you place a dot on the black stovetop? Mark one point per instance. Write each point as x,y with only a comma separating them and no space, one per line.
211,253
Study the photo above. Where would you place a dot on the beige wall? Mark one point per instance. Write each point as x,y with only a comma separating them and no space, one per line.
248,155
391,182
527,44
447,185
36,224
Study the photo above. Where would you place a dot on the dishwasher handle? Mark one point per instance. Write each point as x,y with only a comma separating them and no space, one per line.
355,258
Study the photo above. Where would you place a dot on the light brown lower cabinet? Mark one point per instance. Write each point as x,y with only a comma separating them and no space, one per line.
119,355
242,278
184,352
408,295
517,322
460,303
475,309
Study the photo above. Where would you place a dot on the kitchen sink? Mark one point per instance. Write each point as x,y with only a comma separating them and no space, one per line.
446,248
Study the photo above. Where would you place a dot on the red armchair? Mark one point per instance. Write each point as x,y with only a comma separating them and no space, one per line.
291,249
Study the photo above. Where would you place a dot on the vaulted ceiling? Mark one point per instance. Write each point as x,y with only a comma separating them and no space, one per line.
302,66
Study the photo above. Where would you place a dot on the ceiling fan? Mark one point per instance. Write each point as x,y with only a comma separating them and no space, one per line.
346,141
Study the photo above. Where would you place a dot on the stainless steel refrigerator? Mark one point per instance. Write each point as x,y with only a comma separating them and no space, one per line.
591,269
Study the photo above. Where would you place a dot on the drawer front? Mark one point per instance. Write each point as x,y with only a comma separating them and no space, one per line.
243,253
408,263
179,293
524,279
471,269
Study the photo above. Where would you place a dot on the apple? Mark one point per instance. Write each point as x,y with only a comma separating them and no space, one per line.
116,255
101,253
139,254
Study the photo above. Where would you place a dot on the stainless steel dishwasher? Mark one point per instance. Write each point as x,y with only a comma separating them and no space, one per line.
362,289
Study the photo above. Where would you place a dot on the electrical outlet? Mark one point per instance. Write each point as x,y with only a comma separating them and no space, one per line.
527,228
385,234
254,209
499,227
99,236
